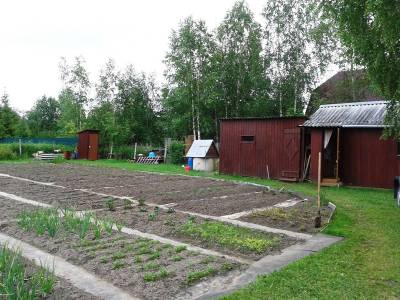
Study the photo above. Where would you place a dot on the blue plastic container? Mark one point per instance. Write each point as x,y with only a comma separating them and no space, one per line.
190,163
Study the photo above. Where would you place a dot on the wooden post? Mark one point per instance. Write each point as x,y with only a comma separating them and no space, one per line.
317,220
134,152
319,181
337,154
20,147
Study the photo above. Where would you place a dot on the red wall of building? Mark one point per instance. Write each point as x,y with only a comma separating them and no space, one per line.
365,159
277,144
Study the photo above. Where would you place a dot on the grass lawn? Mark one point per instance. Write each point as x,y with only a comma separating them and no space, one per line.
365,265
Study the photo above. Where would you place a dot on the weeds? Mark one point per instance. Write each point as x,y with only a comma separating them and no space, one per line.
118,264
154,255
151,266
110,204
163,273
230,236
170,210
152,216
127,204
179,249
176,258
142,202
197,275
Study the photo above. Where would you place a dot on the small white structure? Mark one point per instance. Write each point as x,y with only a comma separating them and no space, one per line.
205,155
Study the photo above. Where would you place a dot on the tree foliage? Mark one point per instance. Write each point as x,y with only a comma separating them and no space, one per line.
371,29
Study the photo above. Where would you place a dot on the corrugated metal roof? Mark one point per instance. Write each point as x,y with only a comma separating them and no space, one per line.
356,114
199,148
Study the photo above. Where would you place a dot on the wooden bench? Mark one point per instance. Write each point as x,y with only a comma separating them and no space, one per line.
48,156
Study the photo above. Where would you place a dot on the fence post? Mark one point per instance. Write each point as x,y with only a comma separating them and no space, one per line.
20,147
134,152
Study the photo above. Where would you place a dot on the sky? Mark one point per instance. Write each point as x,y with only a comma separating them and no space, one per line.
36,34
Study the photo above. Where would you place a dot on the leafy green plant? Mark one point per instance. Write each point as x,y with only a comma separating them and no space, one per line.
137,259
152,216
179,249
176,152
154,255
198,275
230,236
141,202
118,255
127,204
176,258
151,266
170,210
155,276
110,204
118,264
17,283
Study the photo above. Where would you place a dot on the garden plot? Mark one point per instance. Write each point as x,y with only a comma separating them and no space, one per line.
9,209
54,195
145,268
299,218
201,195
210,234
21,279
150,235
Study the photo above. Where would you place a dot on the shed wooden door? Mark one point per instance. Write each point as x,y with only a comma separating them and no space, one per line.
248,158
93,146
291,163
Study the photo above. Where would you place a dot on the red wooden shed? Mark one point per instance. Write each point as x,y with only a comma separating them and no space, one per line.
88,144
349,137
261,147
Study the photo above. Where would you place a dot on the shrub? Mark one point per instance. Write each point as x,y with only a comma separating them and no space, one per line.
176,152
28,149
6,153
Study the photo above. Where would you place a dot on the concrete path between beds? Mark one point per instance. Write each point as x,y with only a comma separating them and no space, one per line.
264,266
79,277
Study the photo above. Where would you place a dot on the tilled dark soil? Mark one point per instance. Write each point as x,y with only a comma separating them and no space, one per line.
299,218
168,225
124,260
10,209
202,195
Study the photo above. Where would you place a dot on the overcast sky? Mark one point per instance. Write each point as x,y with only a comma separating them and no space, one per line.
35,34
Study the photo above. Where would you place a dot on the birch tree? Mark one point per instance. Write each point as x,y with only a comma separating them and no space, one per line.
76,79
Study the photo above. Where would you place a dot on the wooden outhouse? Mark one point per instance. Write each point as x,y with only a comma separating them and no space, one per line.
88,144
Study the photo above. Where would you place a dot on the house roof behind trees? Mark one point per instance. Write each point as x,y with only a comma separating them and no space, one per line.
369,114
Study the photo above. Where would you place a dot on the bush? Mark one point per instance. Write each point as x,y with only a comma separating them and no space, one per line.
6,153
28,150
176,152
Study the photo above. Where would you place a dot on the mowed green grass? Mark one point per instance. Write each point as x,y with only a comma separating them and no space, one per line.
366,264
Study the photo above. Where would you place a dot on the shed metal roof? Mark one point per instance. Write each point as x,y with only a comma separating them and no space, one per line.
369,114
199,148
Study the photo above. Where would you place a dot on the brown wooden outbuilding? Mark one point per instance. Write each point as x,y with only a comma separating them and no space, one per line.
262,147
88,144
348,135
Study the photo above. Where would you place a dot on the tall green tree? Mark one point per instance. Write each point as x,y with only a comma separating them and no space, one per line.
9,118
106,98
67,122
296,50
371,29
244,82
76,81
188,74
43,117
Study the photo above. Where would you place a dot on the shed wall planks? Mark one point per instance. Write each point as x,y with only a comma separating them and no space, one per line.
276,144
